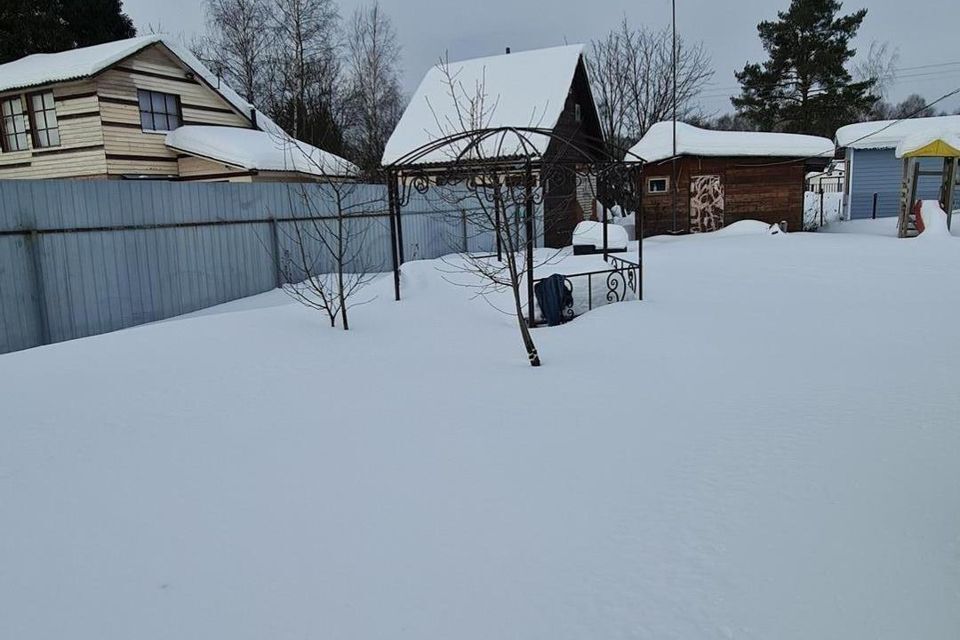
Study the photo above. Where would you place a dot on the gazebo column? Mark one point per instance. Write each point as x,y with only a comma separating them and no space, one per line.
393,200
602,197
638,232
531,230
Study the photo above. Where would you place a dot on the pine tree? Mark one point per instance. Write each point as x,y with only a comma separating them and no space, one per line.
91,22
46,26
804,86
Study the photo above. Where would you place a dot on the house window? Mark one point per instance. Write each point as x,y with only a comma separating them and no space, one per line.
158,111
658,185
43,120
13,123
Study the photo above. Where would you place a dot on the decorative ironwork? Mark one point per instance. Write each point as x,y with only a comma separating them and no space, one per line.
621,278
522,175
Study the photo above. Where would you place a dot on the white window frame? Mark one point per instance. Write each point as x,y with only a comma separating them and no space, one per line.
22,118
666,185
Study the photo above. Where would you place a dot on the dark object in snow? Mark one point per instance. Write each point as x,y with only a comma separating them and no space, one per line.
592,250
554,295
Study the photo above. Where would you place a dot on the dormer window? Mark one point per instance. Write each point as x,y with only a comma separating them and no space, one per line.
159,111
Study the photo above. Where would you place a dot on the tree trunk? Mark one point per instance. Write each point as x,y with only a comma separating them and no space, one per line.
515,284
340,292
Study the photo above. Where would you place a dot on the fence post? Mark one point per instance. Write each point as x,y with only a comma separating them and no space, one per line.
39,289
874,214
275,244
821,204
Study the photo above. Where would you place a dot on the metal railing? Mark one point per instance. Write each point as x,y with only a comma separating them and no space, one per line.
620,280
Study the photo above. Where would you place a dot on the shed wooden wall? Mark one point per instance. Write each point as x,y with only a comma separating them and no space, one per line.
765,189
565,205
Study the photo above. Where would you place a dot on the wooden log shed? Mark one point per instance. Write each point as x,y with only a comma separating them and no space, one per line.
721,177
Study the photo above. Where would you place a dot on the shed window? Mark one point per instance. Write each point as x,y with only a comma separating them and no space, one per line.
13,123
158,111
658,185
43,119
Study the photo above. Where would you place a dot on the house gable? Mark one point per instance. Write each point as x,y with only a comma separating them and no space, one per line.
98,118
129,149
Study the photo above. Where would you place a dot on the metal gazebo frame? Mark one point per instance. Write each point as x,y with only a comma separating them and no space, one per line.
587,159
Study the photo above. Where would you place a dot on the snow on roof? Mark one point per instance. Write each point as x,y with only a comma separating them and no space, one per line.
525,89
74,64
257,150
657,144
934,141
887,134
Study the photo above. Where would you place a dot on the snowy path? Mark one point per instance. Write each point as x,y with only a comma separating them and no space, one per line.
765,448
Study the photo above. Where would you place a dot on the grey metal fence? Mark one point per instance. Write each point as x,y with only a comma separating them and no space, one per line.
82,258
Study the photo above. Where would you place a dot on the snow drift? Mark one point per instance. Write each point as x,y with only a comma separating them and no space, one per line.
763,449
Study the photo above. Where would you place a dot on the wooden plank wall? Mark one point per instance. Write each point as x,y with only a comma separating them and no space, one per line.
566,202
99,121
129,150
765,189
81,151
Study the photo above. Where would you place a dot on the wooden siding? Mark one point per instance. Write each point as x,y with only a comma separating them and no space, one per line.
199,169
153,69
80,153
99,121
564,204
765,189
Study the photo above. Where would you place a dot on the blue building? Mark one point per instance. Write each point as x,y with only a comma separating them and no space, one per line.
873,169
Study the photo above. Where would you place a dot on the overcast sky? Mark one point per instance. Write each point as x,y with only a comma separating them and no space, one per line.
924,31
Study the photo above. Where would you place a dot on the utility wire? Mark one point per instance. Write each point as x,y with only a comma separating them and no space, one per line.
909,116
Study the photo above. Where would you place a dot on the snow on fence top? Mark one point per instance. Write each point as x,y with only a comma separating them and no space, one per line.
45,68
525,89
257,150
657,144
887,134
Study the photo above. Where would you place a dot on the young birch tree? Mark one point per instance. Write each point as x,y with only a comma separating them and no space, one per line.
239,44
374,96
306,71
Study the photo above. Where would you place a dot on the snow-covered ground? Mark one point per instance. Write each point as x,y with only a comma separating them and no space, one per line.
767,447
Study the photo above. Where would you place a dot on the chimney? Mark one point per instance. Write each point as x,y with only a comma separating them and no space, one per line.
253,117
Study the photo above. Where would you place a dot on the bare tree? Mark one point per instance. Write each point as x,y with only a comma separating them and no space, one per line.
306,70
725,122
325,264
880,66
238,44
374,95
632,73
913,106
